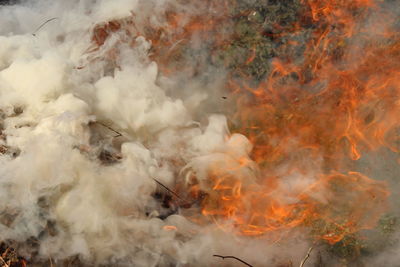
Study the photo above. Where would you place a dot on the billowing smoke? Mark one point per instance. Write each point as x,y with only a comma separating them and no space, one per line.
86,130
116,149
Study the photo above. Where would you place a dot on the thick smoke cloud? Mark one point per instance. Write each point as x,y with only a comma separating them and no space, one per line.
54,95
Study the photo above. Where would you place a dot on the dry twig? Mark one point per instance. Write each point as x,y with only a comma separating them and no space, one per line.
233,257
111,129
307,256
169,190
41,25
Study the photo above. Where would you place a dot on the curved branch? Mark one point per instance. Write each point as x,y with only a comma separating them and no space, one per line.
233,257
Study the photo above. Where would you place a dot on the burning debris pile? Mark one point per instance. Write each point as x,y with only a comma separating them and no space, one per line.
197,133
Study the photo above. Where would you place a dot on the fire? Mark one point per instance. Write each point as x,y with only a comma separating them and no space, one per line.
171,37
170,228
179,31
333,203
310,120
340,102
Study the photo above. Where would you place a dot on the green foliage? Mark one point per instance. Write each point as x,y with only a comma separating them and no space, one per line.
261,31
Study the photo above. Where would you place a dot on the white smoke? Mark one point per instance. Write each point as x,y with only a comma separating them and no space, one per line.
55,90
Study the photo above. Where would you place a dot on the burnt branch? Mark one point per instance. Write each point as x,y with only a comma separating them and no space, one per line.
233,257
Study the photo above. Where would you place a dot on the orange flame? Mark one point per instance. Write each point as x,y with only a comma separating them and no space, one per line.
333,202
341,101
170,228
309,121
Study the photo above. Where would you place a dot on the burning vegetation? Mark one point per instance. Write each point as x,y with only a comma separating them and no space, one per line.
180,130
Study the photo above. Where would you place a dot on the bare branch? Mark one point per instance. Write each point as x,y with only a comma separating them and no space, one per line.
111,129
233,257
307,256
169,190
41,25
